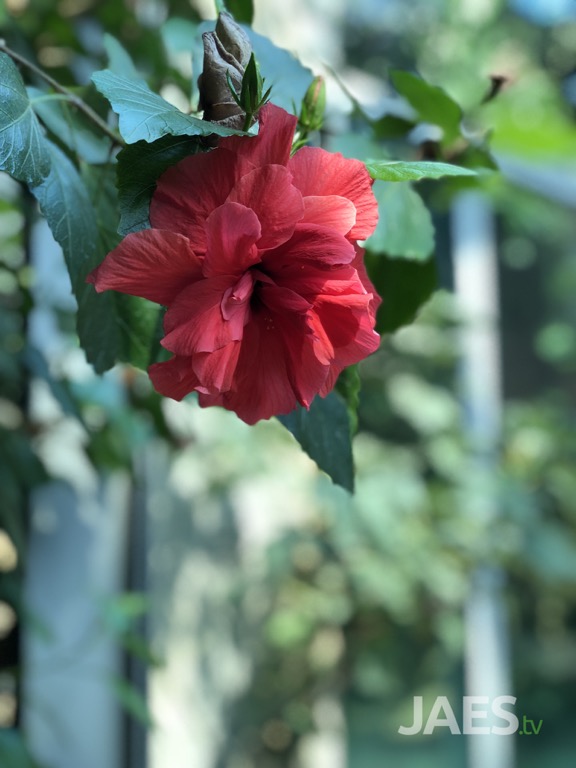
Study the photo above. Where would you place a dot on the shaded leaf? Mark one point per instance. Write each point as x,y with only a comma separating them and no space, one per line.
404,286
242,10
138,321
24,150
431,102
405,228
348,386
400,170
66,205
68,125
139,167
324,433
143,115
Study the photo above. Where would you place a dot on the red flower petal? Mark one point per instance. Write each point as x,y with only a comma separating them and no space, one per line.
330,211
153,263
269,192
273,143
310,245
188,192
215,370
317,172
195,323
231,231
174,378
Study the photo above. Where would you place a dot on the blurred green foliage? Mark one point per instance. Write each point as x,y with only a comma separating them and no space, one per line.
364,602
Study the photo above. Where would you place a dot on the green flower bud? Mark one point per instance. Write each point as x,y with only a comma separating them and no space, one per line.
313,106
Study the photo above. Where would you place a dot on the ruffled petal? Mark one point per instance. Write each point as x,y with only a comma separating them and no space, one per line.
216,370
154,264
317,172
269,192
330,211
174,378
309,246
188,192
273,143
194,321
231,231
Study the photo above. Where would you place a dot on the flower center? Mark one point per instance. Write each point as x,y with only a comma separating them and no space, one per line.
236,299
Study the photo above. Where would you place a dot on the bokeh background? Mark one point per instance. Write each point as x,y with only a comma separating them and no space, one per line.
178,589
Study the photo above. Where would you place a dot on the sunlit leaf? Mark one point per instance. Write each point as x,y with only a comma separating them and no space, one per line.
405,228
400,170
143,115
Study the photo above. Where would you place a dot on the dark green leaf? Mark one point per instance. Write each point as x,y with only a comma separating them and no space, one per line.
70,127
24,151
413,171
404,287
137,321
324,433
242,10
139,167
143,115
66,205
432,103
348,385
405,228
392,127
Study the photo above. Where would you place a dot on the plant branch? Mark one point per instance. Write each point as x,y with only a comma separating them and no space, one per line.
69,95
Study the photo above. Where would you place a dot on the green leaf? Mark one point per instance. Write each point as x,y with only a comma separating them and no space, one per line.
66,205
405,228
70,127
82,217
143,115
324,433
404,286
432,103
119,60
137,327
242,10
413,171
24,151
348,386
139,167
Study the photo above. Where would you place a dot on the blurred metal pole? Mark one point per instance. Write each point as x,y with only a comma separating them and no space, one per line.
487,662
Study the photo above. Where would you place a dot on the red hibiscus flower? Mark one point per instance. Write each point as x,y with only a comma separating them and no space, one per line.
253,253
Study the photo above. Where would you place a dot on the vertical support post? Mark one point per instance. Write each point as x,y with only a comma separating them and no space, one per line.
487,666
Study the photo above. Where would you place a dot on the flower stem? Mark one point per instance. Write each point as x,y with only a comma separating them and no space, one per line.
69,95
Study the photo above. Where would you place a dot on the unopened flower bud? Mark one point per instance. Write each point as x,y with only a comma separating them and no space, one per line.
313,105
227,52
